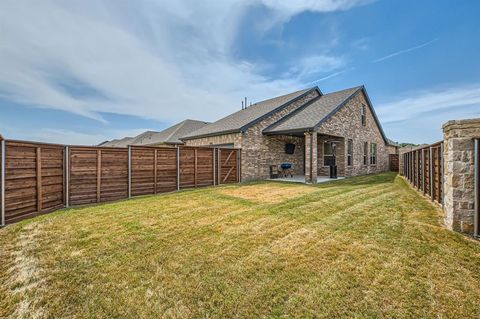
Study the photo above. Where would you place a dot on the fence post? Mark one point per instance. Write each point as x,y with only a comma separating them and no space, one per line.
39,180
238,166
178,168
423,171
155,171
67,176
476,214
432,181
195,170
2,164
418,169
219,159
441,176
129,171
99,174
214,165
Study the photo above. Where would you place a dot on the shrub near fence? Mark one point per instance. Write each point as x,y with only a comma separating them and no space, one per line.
38,178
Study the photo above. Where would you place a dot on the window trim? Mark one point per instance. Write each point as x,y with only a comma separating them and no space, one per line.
365,153
323,155
363,114
373,154
349,152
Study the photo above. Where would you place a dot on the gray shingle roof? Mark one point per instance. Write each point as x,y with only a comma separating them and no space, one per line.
311,114
123,142
170,135
238,120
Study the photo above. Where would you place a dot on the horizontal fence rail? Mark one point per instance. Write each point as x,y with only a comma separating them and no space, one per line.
423,168
38,178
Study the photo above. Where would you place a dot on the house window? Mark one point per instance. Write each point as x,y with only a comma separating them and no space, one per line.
373,154
328,155
365,153
364,115
350,152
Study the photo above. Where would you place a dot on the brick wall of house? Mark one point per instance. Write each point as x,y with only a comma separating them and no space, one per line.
354,130
260,151
234,138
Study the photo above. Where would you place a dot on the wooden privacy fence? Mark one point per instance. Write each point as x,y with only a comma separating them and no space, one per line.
393,160
423,168
38,178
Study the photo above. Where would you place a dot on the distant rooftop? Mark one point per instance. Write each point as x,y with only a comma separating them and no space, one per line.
170,135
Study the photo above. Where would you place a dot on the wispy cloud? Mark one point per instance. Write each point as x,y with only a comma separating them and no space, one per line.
418,116
161,60
332,75
415,104
404,51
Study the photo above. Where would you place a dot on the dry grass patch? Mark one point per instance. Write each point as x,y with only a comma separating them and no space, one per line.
269,193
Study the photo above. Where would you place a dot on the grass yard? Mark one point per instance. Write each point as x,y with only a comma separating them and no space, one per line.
362,247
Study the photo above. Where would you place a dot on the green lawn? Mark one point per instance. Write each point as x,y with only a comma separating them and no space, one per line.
362,247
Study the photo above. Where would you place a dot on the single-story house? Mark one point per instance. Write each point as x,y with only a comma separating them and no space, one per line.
168,137
308,129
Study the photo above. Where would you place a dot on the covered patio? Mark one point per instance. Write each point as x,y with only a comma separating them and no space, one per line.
310,154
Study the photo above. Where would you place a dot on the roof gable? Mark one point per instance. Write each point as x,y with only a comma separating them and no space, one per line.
312,115
243,119
309,115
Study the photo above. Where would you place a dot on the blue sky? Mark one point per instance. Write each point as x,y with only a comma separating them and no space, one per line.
81,72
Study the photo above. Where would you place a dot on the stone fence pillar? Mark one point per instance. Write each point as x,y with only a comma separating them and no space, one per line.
459,172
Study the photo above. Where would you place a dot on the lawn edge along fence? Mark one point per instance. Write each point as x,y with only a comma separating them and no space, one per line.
448,172
423,168
38,178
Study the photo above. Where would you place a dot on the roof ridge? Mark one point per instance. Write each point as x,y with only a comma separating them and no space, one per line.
181,124
283,95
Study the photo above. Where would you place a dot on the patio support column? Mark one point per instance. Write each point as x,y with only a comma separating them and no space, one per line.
311,153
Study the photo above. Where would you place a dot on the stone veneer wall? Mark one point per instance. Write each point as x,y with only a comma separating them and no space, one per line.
459,173
354,130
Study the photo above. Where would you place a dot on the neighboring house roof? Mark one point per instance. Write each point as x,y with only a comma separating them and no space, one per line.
315,112
241,120
170,135
124,142
392,143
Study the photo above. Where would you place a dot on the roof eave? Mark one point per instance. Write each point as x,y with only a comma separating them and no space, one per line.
290,131
186,138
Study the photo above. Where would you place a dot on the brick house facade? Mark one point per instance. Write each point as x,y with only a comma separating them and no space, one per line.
311,121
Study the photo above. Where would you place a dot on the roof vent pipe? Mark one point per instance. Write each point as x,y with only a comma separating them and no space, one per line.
245,102
242,104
